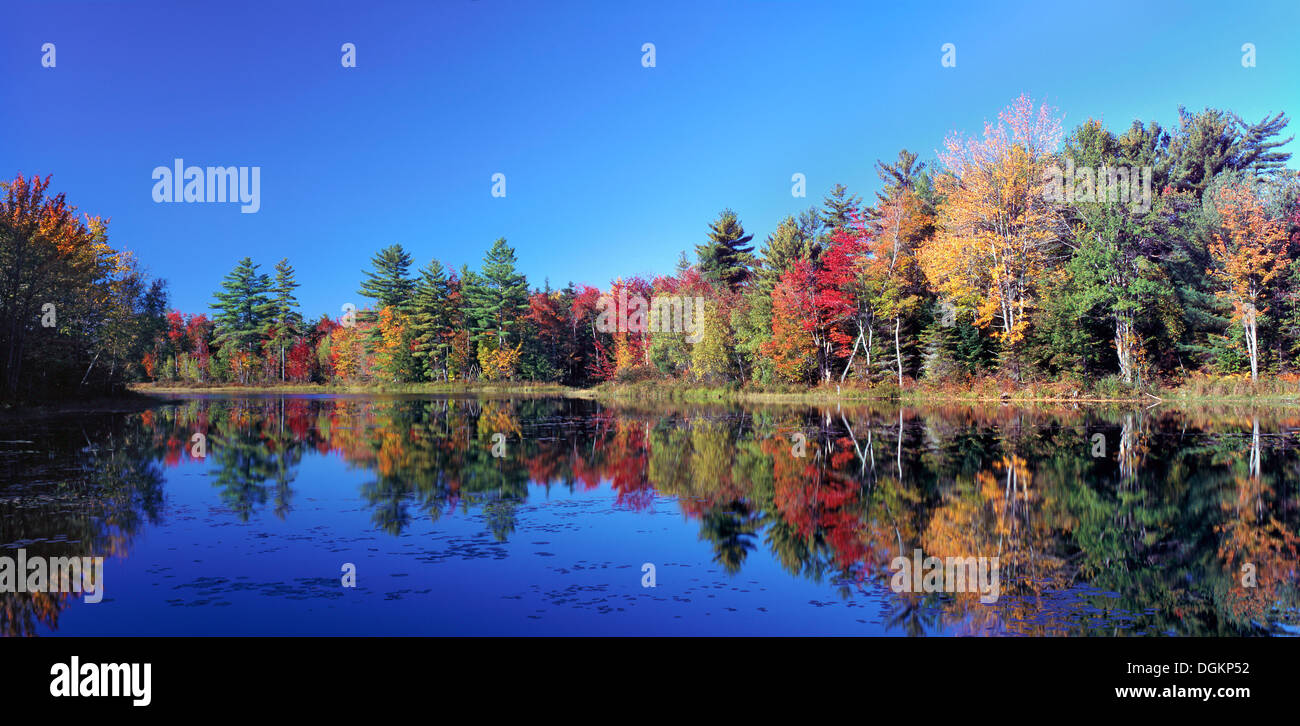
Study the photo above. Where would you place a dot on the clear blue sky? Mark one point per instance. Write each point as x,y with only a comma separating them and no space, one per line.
611,168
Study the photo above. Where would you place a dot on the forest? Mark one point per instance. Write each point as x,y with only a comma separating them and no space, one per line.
978,265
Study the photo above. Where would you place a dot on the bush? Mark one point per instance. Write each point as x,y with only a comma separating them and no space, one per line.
638,374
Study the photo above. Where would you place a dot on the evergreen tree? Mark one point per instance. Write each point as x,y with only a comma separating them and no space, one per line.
751,324
497,298
388,284
1289,314
1215,141
809,223
790,243
286,321
1146,145
244,309
727,257
1256,144
683,264
432,319
898,176
1202,147
839,209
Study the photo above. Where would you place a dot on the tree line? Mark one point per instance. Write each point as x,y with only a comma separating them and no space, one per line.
972,265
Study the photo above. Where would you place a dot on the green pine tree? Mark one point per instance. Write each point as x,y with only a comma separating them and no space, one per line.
497,298
388,283
839,208
243,308
286,321
432,319
790,243
683,264
727,257
895,177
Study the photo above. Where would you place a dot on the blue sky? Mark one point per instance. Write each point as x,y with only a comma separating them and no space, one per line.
611,168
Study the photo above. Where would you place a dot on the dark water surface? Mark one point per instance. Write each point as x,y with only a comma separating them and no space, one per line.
1114,521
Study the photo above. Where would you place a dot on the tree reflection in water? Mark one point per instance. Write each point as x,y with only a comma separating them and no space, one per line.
1163,526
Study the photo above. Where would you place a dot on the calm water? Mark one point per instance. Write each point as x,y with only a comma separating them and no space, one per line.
1104,521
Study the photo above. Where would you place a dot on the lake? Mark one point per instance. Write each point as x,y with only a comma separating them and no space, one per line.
252,515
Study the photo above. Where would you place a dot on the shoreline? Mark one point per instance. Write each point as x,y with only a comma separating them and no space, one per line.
131,401
690,393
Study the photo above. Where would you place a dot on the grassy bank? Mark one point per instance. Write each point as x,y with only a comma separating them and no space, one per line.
466,388
983,390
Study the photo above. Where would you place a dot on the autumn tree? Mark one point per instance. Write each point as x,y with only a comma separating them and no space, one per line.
997,232
671,353
631,326
795,238
550,345
843,304
897,286
74,313
346,351
792,346
198,331
1249,253
394,356
712,356
599,363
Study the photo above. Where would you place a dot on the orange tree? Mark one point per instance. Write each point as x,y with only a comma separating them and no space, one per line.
1249,252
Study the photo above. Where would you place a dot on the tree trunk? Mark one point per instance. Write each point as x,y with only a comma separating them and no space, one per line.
870,334
92,365
1123,333
1252,342
898,351
851,354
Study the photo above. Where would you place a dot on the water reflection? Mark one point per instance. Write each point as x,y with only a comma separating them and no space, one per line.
1105,521
73,487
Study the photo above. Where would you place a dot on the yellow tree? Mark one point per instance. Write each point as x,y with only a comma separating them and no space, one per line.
710,357
393,350
892,264
1249,252
498,363
345,353
996,229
